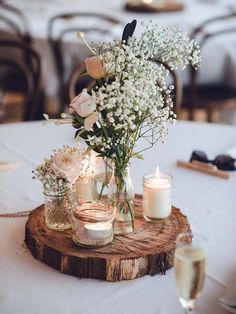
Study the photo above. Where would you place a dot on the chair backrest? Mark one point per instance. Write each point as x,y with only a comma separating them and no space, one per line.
64,24
201,34
30,72
15,21
89,83
76,83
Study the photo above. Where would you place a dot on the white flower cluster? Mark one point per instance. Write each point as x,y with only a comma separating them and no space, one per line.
137,96
63,168
130,99
167,45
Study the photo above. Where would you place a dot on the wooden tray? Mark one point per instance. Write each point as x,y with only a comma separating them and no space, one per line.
153,7
148,250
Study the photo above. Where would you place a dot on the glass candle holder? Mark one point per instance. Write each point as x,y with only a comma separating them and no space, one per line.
93,224
58,208
86,189
157,196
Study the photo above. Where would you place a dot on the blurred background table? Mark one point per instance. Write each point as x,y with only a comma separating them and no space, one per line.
218,55
28,286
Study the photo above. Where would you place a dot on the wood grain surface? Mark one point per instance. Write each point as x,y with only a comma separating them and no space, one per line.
148,250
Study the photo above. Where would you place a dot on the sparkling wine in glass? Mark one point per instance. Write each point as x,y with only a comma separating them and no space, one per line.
190,268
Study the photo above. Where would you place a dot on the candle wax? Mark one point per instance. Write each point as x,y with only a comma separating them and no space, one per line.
86,189
99,230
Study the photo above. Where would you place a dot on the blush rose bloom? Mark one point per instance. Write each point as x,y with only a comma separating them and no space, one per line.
95,67
83,104
90,120
67,166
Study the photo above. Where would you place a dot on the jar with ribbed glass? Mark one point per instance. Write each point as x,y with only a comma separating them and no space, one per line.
58,208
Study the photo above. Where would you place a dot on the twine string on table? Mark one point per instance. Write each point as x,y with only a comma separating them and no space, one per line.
24,213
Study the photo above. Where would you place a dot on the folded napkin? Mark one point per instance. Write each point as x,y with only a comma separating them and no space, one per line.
228,299
9,165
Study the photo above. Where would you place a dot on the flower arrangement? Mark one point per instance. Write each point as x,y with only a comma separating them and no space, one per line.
62,169
130,99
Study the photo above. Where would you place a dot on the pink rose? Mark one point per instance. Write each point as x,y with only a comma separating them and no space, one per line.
94,67
67,166
90,120
83,104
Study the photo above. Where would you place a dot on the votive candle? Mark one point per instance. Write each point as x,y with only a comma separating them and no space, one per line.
157,195
93,224
86,189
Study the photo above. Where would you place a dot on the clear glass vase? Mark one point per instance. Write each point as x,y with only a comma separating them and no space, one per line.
58,208
121,198
102,178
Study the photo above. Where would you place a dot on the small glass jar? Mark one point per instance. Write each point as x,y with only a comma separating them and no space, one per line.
86,189
58,208
93,224
157,196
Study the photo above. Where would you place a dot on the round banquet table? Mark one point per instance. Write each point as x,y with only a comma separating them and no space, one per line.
220,50
28,286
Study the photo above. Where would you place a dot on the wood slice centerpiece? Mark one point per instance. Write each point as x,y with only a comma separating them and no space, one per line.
153,7
148,250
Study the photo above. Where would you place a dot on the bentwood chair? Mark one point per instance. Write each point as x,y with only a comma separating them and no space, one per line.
14,26
27,107
76,84
15,22
215,96
63,25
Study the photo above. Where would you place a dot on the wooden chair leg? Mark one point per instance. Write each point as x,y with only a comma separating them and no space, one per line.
191,114
209,115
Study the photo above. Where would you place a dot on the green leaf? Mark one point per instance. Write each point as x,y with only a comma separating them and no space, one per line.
79,132
138,156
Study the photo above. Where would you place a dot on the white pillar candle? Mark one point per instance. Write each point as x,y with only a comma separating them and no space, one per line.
157,195
98,231
86,189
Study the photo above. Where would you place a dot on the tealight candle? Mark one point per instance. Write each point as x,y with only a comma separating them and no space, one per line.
97,231
92,224
157,195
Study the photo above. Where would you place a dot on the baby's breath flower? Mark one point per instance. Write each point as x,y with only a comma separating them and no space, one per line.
132,98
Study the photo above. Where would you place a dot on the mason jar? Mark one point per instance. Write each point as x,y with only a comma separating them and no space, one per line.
58,208
93,224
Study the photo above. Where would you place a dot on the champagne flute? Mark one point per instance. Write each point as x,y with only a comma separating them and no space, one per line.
190,268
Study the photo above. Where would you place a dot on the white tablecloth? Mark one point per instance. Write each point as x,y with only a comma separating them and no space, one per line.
218,57
30,287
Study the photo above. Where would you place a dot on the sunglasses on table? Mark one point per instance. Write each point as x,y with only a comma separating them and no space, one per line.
222,162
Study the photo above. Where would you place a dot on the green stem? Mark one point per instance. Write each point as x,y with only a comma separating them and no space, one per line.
100,194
